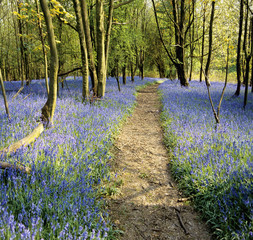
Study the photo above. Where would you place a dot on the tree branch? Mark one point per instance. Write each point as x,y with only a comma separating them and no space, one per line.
122,4
160,34
70,25
70,71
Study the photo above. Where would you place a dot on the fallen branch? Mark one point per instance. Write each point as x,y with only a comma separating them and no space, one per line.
24,141
27,96
17,93
181,222
21,143
4,165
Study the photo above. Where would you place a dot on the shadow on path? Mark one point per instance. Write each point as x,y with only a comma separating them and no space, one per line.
148,206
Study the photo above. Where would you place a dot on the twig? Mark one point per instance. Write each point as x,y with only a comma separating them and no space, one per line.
27,96
17,93
181,222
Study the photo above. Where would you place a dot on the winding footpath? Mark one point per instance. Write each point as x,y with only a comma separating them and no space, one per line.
149,205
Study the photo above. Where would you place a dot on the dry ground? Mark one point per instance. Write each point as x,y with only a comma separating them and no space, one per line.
148,205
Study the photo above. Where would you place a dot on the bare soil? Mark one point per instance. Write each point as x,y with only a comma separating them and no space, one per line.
149,205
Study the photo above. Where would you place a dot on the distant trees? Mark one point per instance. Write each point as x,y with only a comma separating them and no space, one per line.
105,37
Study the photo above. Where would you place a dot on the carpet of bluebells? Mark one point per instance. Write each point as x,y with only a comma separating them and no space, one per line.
61,197
214,165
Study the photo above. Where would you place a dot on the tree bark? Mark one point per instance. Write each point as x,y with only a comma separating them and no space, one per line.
203,44
210,45
117,76
20,30
43,46
238,58
23,142
101,64
192,39
124,75
247,58
180,49
84,53
4,95
179,26
85,19
49,108
246,82
108,32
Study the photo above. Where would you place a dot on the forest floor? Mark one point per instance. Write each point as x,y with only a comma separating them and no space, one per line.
149,205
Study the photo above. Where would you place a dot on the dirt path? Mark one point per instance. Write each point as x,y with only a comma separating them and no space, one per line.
148,206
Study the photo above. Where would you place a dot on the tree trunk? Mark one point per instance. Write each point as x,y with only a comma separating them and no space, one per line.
247,58
124,75
210,44
85,18
101,67
141,63
179,26
43,47
246,82
84,54
132,69
108,32
117,76
192,31
202,45
49,108
238,58
20,30
4,95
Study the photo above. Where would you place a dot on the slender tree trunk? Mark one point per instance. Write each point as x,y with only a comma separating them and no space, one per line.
124,75
210,44
192,38
85,18
49,108
17,41
117,76
43,46
20,30
203,44
141,63
238,58
246,82
108,32
247,58
245,39
84,54
27,65
132,69
180,41
101,64
4,95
